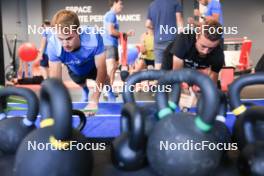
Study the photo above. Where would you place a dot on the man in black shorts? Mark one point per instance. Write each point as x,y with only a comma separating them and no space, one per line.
197,49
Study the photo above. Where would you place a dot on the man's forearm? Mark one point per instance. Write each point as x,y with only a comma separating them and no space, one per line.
55,70
100,81
214,76
115,33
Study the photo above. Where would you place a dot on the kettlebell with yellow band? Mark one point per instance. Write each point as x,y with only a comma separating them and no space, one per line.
239,108
56,149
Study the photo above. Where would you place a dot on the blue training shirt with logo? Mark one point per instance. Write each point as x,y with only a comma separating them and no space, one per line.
82,60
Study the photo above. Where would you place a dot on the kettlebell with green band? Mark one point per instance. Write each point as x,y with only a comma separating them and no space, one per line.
165,151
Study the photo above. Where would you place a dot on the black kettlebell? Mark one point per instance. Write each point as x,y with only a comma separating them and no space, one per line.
149,111
129,148
13,130
220,129
165,154
239,109
53,146
251,158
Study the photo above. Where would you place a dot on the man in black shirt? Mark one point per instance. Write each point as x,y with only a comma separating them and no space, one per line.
197,49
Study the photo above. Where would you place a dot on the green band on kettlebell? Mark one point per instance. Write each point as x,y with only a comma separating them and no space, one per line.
164,112
239,110
14,99
172,105
202,125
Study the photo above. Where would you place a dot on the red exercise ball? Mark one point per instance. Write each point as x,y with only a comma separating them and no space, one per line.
27,52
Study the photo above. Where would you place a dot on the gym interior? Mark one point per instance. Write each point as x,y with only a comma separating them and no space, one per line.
56,122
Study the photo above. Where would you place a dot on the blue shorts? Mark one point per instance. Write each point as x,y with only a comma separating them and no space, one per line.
45,61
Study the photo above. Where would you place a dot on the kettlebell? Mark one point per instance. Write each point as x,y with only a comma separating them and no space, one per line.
148,114
52,146
228,164
220,129
251,158
129,148
149,111
239,109
176,142
13,130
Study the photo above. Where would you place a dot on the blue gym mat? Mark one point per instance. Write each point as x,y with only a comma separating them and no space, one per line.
106,123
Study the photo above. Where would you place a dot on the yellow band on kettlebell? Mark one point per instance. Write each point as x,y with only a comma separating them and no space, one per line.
46,123
239,110
58,144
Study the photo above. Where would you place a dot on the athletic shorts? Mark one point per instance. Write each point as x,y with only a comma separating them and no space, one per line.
149,62
111,52
81,79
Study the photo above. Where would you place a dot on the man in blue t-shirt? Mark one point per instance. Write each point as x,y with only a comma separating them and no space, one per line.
111,26
214,10
82,50
163,15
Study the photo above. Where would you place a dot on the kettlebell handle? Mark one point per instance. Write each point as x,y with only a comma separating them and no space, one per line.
29,96
55,102
210,98
131,115
236,87
82,117
128,95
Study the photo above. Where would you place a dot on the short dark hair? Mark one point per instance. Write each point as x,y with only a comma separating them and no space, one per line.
111,2
212,30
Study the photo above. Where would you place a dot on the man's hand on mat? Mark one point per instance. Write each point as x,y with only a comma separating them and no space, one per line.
91,109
